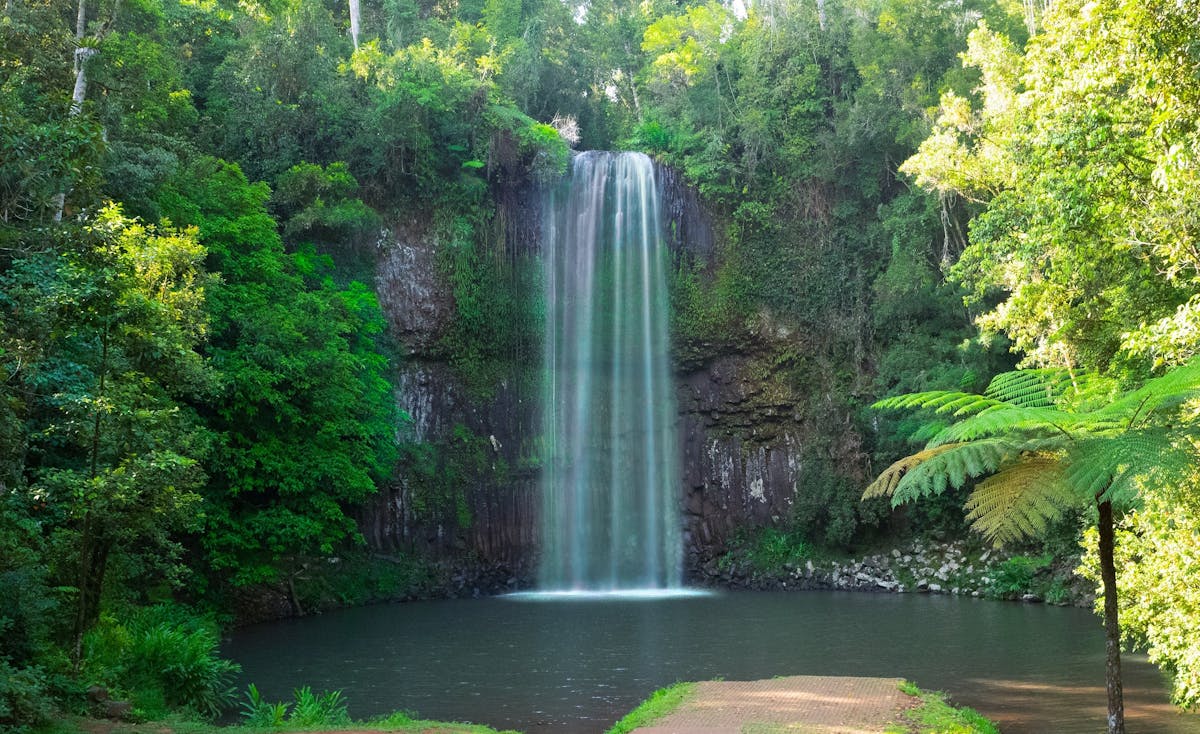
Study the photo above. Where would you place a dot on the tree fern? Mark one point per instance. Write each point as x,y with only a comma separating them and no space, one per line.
1112,468
1037,417
1021,500
1005,419
1046,441
1040,388
1161,395
885,484
933,471
939,401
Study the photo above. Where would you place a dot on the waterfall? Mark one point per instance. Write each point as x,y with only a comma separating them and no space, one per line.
610,517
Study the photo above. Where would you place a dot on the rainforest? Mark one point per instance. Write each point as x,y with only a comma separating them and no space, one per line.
421,325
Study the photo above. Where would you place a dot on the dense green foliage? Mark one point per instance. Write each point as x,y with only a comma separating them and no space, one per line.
196,376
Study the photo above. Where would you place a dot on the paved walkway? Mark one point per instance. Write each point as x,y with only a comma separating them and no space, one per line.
802,704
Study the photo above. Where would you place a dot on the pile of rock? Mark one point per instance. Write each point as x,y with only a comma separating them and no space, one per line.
922,566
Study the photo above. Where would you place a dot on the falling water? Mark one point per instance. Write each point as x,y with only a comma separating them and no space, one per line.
609,509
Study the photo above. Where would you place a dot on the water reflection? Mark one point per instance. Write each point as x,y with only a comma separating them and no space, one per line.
578,664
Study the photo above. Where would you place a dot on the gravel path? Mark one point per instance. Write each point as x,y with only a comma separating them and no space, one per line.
802,704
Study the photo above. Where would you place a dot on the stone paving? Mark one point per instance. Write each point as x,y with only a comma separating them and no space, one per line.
802,704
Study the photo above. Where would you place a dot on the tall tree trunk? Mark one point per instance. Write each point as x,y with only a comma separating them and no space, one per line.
354,22
1112,633
79,58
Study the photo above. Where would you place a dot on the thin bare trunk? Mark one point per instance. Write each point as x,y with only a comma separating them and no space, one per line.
79,60
1112,632
82,54
354,23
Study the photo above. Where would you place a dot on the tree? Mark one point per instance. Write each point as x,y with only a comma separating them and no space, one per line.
303,420
112,454
1067,146
1043,442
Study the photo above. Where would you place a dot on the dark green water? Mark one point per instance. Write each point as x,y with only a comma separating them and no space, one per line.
576,666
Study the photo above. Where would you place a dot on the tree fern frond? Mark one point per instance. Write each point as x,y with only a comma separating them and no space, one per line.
927,431
1040,388
1113,468
1007,419
885,484
940,401
953,467
1021,500
1175,388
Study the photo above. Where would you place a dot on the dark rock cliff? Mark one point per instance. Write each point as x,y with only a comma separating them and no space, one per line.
742,438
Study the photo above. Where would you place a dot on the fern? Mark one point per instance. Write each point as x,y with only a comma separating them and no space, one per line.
954,468
1174,389
1021,500
885,484
934,470
1111,469
939,401
1044,446
1001,420
1040,388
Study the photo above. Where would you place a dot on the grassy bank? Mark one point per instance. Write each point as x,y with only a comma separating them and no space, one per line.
659,704
397,722
932,714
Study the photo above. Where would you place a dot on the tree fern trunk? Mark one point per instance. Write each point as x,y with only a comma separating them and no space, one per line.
1112,633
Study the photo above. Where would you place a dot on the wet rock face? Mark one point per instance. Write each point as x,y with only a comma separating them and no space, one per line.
740,433
689,226
414,302
741,442
472,494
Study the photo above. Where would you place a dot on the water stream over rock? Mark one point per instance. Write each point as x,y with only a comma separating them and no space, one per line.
610,517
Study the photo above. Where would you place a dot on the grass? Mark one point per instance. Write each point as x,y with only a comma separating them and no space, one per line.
397,722
661,702
933,715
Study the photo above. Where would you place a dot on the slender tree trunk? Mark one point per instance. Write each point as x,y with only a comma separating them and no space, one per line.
93,562
79,59
1112,633
93,547
354,13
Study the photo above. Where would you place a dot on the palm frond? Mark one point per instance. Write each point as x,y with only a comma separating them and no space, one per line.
1020,500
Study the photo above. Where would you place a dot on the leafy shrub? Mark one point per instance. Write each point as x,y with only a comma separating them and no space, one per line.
260,713
1016,575
307,709
163,657
318,709
24,697
768,549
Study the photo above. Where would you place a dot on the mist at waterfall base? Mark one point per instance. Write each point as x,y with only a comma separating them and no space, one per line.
610,518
